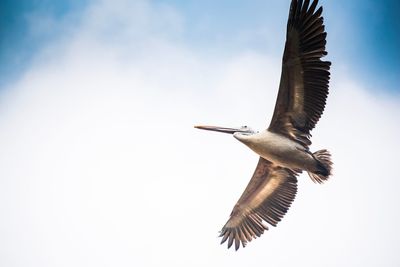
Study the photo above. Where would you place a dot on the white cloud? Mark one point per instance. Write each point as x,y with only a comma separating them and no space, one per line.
100,165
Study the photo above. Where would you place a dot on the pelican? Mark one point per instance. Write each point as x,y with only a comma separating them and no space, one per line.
284,147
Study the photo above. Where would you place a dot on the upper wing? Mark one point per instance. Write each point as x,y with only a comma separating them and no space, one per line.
267,197
304,81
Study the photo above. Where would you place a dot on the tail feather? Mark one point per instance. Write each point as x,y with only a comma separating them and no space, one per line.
324,166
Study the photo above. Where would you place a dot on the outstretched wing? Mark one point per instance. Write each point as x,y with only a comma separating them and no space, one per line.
267,197
304,81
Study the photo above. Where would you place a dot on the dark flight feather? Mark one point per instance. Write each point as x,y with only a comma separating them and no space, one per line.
266,198
304,84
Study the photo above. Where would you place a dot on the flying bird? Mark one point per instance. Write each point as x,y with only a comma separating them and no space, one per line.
284,147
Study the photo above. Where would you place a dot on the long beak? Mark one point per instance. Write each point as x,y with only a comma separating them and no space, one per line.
219,129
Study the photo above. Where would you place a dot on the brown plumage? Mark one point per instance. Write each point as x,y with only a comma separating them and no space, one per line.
305,77
267,197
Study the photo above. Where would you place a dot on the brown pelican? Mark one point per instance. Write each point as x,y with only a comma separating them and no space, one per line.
284,147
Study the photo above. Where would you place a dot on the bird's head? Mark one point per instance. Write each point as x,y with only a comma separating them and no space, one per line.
237,132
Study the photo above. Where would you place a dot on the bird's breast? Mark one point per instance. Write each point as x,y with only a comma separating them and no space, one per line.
277,149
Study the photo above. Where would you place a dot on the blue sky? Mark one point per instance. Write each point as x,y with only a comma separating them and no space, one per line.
362,34
100,164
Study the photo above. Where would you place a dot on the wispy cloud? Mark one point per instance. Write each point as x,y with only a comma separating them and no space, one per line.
100,164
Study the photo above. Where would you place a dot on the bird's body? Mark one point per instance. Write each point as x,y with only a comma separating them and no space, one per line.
284,147
279,150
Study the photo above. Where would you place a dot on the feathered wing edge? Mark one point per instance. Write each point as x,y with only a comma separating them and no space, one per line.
267,198
305,77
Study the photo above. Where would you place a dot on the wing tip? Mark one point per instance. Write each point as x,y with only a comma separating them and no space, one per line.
300,9
239,236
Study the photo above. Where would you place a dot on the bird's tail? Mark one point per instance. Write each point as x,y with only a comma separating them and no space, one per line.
324,166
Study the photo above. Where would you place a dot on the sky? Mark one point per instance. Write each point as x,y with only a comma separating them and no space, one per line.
100,164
